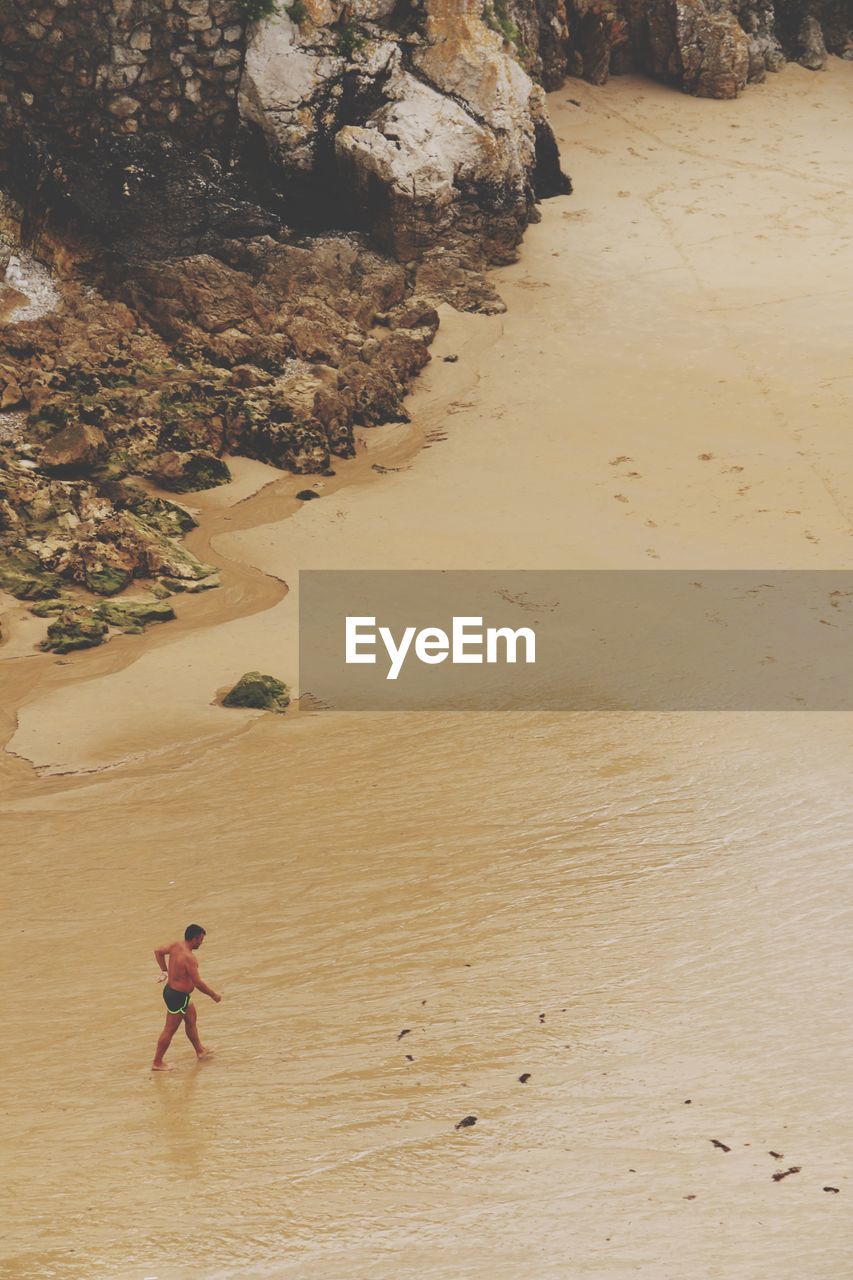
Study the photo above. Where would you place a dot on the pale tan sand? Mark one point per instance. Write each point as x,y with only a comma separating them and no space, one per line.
666,890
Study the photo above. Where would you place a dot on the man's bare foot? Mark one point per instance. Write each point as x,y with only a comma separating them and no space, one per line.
161,1066
204,1055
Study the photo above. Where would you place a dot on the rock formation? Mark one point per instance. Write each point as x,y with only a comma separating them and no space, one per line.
276,357
712,48
258,692
425,128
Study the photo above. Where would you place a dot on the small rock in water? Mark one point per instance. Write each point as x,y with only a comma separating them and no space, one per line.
715,1142
687,1101
466,1122
777,1155
258,691
450,359
542,1017
835,1189
524,1077
784,1173
405,1032
409,1058
305,495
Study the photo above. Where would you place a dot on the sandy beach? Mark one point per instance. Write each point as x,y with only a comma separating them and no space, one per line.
645,913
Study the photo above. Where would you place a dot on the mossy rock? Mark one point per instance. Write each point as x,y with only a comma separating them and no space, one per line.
23,577
133,615
74,629
47,608
171,585
116,466
264,693
162,515
108,581
172,560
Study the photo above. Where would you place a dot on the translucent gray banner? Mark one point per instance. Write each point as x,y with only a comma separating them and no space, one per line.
576,640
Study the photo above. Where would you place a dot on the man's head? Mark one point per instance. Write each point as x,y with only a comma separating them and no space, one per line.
194,935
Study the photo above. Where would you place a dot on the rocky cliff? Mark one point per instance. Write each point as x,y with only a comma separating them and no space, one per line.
160,124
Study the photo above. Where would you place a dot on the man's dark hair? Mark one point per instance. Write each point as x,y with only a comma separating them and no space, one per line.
192,931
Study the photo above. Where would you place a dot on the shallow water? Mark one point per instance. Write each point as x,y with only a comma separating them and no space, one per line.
637,910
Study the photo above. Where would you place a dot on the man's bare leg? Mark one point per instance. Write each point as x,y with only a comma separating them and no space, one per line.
190,1018
173,1021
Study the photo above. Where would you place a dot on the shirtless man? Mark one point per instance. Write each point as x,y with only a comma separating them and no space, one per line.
182,978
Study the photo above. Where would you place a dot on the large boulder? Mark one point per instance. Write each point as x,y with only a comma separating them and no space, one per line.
699,45
433,137
188,472
814,54
74,448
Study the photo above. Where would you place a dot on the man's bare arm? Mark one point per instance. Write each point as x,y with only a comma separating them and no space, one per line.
201,985
160,953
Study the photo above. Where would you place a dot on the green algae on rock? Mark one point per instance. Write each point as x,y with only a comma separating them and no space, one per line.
107,580
24,577
84,626
48,608
170,585
74,629
261,692
133,615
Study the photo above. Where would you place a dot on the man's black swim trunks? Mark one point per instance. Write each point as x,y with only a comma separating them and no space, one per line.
176,1001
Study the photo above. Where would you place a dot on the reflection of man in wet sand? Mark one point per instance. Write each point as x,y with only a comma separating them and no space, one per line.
182,978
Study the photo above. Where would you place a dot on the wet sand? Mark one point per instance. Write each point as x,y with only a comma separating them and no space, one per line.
667,390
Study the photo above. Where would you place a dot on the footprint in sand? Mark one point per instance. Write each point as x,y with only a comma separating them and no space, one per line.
623,457
620,497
